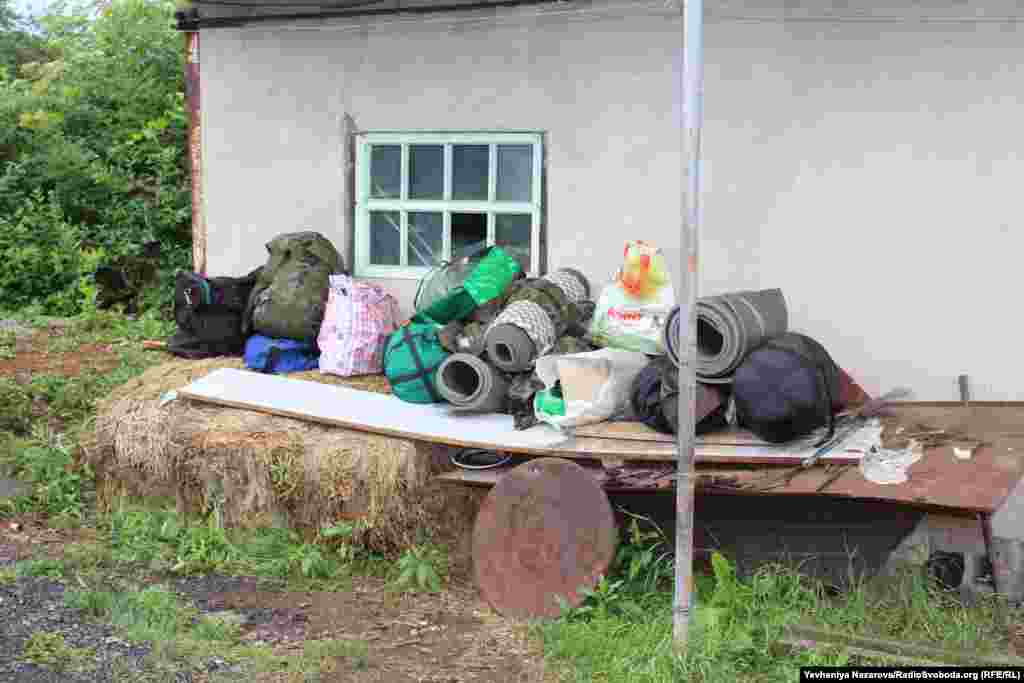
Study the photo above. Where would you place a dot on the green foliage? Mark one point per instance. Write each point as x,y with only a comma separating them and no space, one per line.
15,407
7,345
317,654
642,566
95,604
153,613
141,536
162,539
203,547
738,627
46,463
93,152
50,650
644,560
43,568
421,568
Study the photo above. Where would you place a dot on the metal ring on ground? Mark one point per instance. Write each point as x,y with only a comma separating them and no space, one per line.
455,459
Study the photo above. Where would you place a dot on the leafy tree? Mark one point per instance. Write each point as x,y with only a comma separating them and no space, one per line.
93,141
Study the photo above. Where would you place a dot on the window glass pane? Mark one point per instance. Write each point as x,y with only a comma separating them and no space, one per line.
515,173
385,238
469,230
426,172
469,175
386,171
426,238
512,233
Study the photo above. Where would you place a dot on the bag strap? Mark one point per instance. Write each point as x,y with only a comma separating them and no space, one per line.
831,413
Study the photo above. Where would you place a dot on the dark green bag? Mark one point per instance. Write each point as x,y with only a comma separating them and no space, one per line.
290,296
411,358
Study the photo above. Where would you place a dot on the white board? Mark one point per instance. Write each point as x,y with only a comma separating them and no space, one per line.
366,411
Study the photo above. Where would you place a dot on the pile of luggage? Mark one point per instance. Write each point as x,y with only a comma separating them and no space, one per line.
299,311
485,337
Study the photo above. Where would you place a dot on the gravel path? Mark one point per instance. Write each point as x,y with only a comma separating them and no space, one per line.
32,605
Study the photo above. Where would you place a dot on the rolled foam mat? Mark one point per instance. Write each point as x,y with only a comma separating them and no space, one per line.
510,348
729,326
470,384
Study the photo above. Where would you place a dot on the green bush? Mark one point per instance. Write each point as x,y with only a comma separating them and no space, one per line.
15,407
93,154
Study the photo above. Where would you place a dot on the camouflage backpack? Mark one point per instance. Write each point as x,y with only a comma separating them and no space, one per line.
290,296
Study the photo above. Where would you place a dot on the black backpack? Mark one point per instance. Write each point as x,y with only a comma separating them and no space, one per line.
209,312
655,400
787,388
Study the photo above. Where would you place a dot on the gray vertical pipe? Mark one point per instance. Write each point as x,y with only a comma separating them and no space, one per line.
692,111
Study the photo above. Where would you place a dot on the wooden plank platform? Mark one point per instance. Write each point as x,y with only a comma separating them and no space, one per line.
939,479
437,423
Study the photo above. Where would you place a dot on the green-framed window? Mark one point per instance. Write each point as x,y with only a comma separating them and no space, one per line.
423,197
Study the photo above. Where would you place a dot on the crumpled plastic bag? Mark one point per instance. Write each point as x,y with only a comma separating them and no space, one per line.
634,307
492,276
602,378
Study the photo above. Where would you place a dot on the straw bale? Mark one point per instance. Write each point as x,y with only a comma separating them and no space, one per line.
256,469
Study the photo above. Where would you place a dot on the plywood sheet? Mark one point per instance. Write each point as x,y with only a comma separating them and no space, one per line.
638,431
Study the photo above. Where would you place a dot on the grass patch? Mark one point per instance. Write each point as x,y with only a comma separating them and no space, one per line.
324,655
7,342
162,540
110,327
29,450
51,651
737,629
95,604
182,639
8,575
421,568
623,629
15,407
45,461
41,568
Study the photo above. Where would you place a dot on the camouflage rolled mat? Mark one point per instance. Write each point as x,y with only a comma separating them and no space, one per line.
510,348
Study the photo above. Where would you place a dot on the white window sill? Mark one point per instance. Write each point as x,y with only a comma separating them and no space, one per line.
391,272
400,273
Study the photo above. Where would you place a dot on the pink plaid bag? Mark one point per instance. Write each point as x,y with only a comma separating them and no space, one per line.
357,323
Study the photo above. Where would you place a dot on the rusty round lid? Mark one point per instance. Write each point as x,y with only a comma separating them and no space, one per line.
545,530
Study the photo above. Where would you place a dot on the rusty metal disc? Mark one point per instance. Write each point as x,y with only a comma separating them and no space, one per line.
545,530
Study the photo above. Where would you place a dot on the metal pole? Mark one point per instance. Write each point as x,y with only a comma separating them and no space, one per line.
692,94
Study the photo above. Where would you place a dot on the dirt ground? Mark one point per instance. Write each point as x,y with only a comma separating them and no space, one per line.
33,357
450,637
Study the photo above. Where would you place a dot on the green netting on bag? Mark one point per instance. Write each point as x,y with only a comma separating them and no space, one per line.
492,276
457,305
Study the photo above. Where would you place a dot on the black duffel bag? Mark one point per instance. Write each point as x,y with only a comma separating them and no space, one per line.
209,312
655,400
787,388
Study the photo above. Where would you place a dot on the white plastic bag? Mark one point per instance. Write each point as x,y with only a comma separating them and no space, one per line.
618,367
632,310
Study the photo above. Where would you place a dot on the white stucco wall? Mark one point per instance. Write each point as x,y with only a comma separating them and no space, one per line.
870,168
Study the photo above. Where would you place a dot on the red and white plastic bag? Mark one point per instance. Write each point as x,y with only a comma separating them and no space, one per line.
357,323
